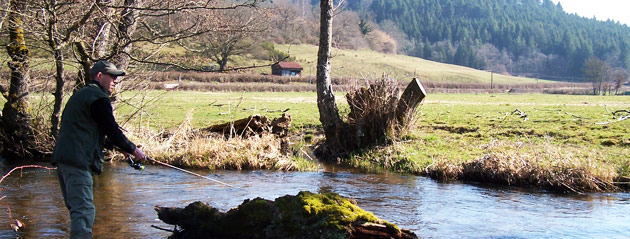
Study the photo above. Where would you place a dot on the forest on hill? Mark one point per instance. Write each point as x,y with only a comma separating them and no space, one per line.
531,37
520,37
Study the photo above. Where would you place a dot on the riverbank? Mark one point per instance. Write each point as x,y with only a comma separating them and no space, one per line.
188,147
555,142
429,208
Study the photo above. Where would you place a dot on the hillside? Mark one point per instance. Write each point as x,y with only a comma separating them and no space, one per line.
522,37
371,64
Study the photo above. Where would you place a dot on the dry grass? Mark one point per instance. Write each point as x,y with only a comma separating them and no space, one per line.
532,165
191,148
372,113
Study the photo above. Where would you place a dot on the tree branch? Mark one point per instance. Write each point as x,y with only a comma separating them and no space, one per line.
23,167
79,23
187,6
625,117
620,111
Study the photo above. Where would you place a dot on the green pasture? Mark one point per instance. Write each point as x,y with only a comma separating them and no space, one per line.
371,64
345,63
168,109
568,117
562,120
455,128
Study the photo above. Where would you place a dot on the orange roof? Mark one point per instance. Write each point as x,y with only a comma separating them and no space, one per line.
289,65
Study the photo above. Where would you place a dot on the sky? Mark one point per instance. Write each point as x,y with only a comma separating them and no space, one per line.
602,9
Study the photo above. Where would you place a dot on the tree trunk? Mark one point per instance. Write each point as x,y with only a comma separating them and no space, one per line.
54,43
54,118
102,39
126,27
222,61
17,136
328,112
84,60
409,100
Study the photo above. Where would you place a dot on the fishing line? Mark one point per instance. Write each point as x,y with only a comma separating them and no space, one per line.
138,166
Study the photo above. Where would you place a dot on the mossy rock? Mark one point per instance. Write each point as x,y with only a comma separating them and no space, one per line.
305,215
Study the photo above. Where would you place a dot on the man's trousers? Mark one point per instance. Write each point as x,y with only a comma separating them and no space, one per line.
76,187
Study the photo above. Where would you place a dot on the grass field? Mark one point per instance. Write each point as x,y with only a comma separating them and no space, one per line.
527,140
514,139
548,134
209,108
370,64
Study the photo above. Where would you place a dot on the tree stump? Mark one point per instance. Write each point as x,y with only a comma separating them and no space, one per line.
409,100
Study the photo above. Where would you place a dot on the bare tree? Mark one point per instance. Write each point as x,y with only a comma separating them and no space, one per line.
235,34
292,23
377,113
346,32
382,42
56,28
401,39
88,31
596,71
619,76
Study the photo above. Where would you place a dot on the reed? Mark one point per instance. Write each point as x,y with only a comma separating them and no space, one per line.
533,165
192,148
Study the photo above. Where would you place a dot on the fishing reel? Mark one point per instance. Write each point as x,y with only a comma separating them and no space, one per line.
136,166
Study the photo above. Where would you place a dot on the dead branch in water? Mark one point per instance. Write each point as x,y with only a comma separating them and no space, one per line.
15,223
23,167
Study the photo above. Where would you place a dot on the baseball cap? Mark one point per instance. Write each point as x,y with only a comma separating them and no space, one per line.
106,67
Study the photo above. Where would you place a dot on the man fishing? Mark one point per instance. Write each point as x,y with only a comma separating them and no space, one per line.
87,127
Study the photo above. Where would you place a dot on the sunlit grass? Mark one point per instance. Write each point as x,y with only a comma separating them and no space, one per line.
371,64
558,142
519,139
219,107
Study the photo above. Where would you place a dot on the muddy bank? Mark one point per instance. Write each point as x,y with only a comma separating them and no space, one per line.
305,215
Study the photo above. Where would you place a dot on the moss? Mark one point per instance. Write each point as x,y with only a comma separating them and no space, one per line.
17,45
198,215
326,210
306,215
250,218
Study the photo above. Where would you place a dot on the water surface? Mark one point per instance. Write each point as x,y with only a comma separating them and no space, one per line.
125,199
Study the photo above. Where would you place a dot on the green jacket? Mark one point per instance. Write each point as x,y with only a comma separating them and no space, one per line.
80,142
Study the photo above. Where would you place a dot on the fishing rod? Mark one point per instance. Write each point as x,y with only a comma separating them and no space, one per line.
139,166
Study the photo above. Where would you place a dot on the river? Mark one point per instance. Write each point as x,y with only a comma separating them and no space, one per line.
125,199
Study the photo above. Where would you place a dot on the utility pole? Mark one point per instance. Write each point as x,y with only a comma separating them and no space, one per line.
491,79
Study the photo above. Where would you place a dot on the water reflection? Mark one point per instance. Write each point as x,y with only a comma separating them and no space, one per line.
125,199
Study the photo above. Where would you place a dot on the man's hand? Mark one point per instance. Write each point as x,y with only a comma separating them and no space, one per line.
138,155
